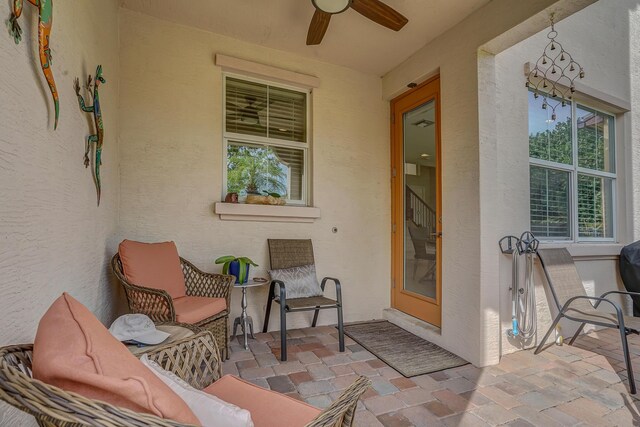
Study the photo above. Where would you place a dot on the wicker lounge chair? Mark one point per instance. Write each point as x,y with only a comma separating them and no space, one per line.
158,305
286,253
574,304
196,360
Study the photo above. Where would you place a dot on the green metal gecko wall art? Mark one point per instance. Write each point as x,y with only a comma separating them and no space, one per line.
45,20
98,137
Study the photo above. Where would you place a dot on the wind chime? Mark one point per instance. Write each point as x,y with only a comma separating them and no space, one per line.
554,74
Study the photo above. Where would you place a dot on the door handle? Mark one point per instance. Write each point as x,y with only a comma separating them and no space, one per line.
436,235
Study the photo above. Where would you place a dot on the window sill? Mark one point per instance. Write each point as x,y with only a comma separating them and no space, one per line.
589,251
265,213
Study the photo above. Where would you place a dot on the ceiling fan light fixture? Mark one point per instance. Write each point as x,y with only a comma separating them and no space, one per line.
332,6
423,123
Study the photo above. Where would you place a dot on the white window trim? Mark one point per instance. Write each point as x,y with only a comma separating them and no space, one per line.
304,146
265,213
268,72
574,170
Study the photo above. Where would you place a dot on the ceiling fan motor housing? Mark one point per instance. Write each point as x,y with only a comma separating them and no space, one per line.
332,6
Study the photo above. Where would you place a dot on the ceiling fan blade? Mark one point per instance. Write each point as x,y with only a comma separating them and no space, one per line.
261,105
380,13
318,27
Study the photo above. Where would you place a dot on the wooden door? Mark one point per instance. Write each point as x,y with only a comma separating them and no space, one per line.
416,202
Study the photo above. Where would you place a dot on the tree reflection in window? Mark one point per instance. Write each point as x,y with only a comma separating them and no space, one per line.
557,181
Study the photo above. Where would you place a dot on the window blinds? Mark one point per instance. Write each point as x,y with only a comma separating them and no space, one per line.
595,216
258,109
549,198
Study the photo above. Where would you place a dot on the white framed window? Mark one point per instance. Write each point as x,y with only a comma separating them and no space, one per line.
266,139
572,172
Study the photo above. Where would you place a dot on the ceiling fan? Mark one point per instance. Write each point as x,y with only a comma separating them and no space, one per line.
249,113
375,10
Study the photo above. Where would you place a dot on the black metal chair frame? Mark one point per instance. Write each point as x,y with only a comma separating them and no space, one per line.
624,331
281,298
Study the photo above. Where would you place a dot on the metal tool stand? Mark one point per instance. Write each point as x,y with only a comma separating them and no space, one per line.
523,298
509,246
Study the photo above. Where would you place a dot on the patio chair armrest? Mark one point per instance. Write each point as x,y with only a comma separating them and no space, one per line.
341,412
195,359
54,406
631,294
201,284
598,299
281,293
193,328
155,303
337,284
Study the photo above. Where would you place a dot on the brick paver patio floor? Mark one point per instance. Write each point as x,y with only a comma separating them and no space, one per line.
563,386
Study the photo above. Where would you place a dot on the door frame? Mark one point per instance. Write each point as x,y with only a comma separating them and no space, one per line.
424,308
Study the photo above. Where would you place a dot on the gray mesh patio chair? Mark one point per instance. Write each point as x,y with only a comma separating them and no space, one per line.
287,253
574,304
424,247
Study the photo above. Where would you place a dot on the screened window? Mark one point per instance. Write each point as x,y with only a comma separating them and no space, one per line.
266,139
572,172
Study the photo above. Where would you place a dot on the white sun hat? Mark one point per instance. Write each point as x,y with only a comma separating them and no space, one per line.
138,328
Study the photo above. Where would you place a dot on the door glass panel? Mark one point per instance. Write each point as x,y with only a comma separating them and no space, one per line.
419,132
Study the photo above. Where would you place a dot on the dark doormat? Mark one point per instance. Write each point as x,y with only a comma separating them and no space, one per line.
406,353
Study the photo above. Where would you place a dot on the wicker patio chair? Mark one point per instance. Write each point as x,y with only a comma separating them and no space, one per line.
196,360
574,304
158,305
287,253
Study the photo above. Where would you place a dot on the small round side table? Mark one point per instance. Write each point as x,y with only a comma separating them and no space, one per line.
244,321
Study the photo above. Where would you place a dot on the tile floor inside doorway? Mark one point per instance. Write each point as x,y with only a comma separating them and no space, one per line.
563,386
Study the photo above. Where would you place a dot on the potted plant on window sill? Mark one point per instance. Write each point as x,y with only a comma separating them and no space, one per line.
266,199
236,266
258,173
253,195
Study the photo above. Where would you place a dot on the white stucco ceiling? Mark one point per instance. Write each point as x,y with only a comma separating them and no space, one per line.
351,40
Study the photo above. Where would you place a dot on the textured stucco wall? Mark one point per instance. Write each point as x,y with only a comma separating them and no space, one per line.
53,237
171,163
633,124
599,38
470,303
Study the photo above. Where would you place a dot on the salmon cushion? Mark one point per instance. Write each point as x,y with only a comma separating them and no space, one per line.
153,265
267,408
75,352
194,309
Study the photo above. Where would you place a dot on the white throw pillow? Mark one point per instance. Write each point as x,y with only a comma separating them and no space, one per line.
299,282
210,410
